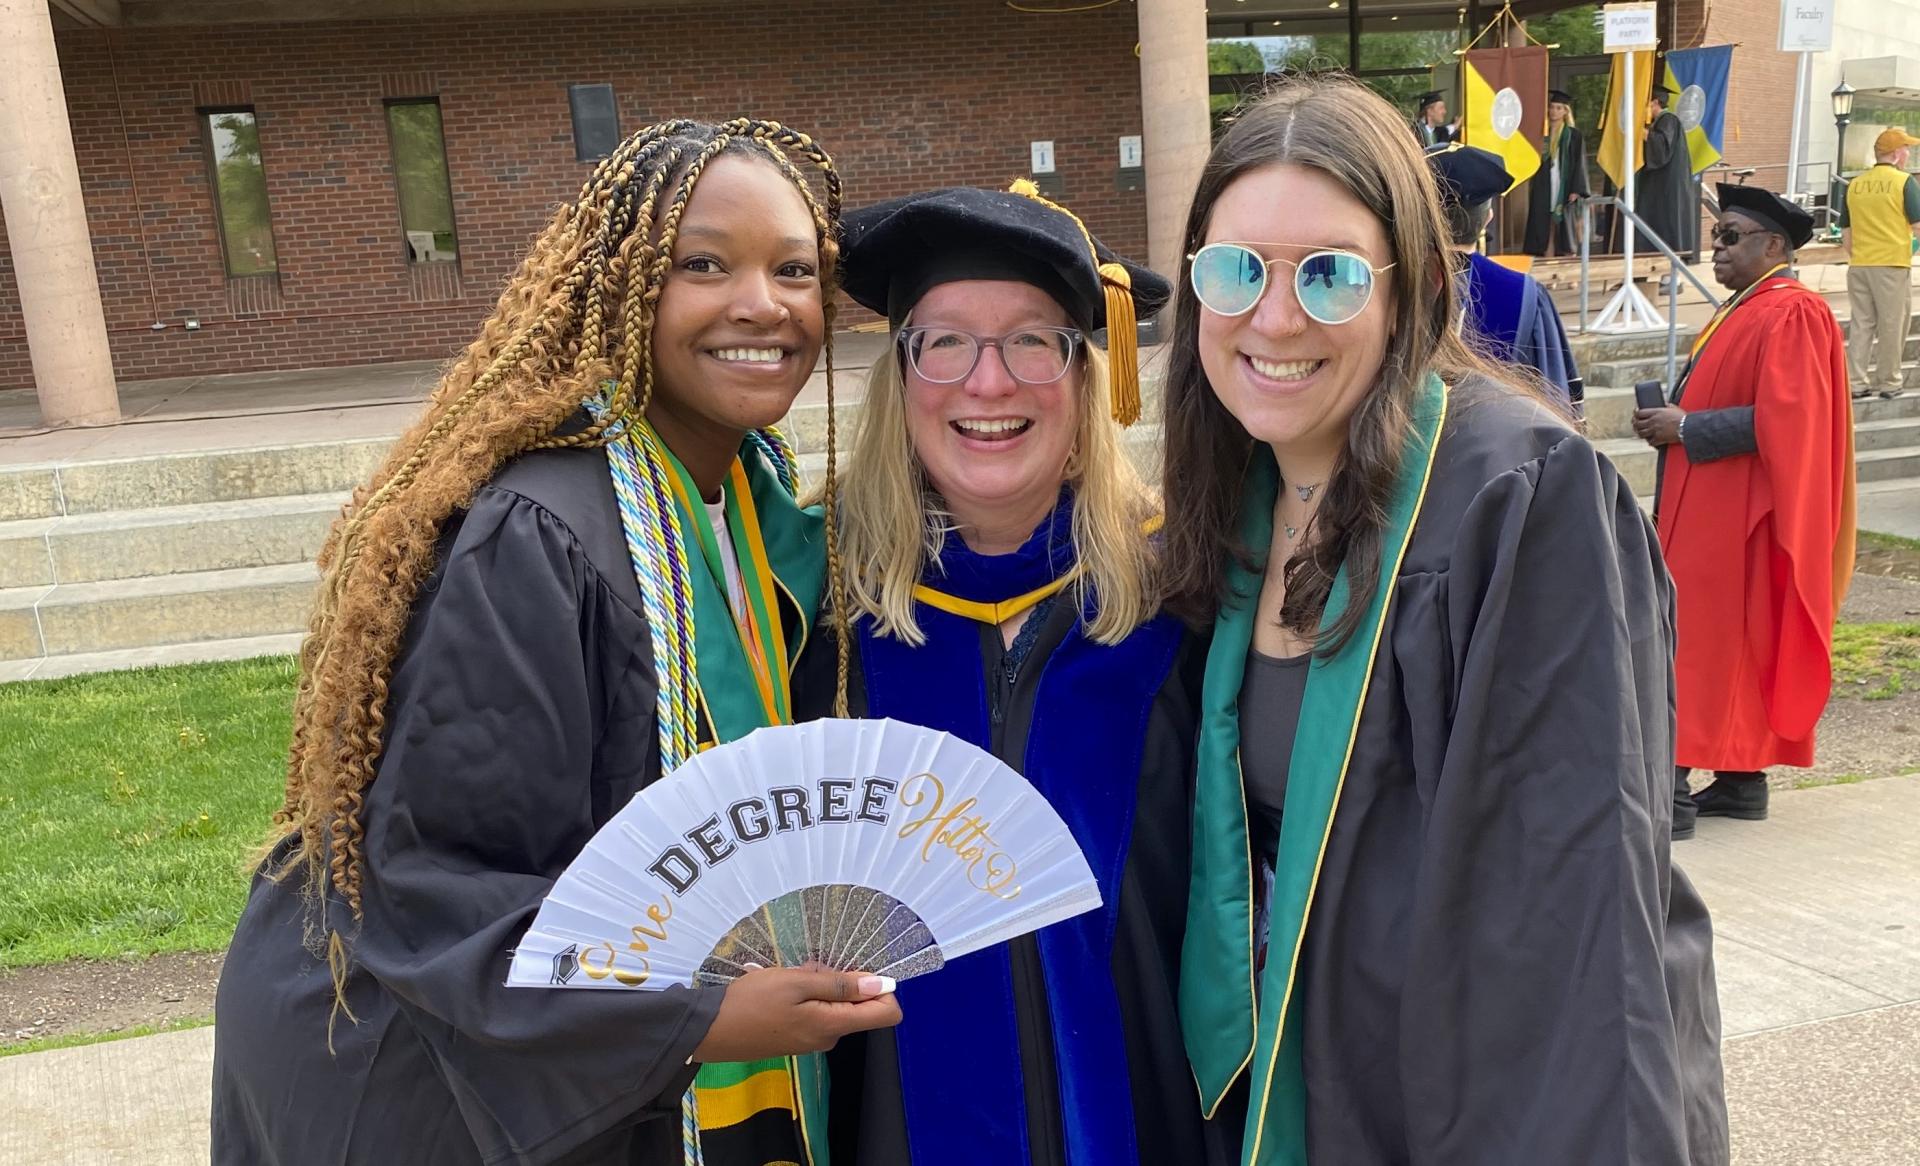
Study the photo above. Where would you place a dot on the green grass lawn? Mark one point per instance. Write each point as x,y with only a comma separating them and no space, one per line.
129,802
1885,655
75,1039
1874,540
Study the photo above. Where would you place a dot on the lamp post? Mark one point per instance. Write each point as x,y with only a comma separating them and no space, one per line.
1842,117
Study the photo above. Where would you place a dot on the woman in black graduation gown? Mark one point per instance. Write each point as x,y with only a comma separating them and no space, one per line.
1433,917
482,691
996,549
1560,182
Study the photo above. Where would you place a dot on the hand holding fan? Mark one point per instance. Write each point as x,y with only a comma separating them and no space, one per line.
862,845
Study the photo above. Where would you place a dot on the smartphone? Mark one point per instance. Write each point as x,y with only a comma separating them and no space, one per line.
1649,395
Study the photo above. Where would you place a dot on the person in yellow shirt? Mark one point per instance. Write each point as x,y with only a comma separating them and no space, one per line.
1878,223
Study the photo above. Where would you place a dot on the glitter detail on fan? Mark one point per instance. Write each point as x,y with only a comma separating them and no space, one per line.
841,926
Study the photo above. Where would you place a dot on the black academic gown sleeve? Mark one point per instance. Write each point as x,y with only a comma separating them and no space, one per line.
1501,966
1576,172
519,718
1665,194
1536,955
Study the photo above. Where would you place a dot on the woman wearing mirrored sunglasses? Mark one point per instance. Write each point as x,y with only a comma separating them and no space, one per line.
1432,915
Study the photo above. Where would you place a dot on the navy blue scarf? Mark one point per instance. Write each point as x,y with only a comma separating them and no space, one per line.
965,1094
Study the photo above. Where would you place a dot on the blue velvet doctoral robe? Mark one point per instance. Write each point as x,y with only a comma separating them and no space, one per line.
1061,1048
1514,314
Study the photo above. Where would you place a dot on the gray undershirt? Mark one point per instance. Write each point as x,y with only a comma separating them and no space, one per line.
1270,696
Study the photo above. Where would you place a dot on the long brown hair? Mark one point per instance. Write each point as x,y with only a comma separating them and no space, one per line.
574,325
1338,126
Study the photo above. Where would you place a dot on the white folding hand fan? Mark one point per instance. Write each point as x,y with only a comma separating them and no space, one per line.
863,845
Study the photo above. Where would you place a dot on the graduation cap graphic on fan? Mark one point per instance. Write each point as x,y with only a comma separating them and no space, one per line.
862,845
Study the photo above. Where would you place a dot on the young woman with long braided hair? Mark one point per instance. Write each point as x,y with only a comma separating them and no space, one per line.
582,563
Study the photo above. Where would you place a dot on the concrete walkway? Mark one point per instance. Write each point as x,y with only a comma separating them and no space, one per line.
1817,913
245,410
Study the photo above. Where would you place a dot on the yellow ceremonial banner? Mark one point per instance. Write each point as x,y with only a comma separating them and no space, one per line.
1612,144
1505,108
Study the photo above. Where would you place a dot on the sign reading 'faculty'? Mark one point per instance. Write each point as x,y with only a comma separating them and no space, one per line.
1806,26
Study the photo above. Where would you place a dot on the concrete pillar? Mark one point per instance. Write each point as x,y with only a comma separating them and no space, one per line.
47,226
1174,125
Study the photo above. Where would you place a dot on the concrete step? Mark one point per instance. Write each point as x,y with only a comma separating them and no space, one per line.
198,652
1636,461
1846,325
168,540
1610,411
1624,374
1886,465
187,479
1910,351
116,614
1595,347
1888,433
1873,460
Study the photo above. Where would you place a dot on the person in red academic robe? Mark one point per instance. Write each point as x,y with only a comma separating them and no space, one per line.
1755,508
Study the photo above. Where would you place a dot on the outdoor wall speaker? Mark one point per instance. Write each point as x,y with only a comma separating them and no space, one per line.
596,121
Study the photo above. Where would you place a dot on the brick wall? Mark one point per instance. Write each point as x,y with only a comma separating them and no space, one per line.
1760,91
906,96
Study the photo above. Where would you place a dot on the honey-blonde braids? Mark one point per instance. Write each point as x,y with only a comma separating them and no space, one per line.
571,331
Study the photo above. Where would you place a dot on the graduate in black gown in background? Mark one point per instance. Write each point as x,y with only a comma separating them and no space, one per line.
1560,182
1444,787
1663,187
996,545
1430,124
483,690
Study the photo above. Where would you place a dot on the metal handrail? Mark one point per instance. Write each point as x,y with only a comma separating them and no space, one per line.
1586,206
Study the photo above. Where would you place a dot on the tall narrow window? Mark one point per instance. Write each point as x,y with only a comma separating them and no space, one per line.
240,191
420,172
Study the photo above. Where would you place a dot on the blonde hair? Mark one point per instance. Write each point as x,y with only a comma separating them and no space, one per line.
893,521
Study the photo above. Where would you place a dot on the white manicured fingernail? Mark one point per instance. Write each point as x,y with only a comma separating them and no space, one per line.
875,985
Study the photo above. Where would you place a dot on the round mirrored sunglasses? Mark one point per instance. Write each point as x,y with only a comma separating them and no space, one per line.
1333,286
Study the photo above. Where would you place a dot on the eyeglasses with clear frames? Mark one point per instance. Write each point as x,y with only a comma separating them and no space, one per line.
1033,356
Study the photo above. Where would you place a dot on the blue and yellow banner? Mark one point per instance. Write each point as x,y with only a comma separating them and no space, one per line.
1699,76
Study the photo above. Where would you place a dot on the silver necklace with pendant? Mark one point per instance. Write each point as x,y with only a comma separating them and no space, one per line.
1305,494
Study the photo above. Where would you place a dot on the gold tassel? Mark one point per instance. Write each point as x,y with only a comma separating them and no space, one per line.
1123,344
1123,331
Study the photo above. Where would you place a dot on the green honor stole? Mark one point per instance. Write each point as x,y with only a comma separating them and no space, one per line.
1232,1024
751,1112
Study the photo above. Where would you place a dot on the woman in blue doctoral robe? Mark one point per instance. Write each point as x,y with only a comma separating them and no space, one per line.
995,557
1507,314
